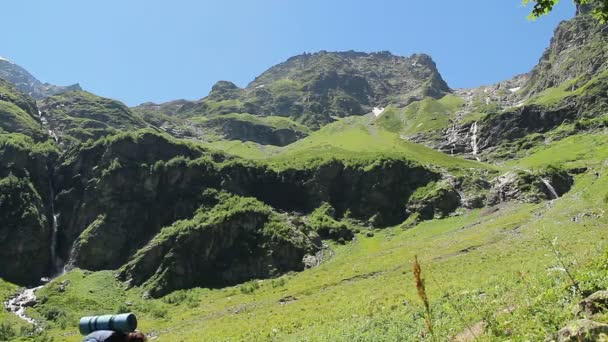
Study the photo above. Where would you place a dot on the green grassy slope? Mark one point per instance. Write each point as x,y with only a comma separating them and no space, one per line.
421,116
18,112
347,138
79,116
494,265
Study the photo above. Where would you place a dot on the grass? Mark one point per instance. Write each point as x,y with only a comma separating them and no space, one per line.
555,95
421,116
275,122
489,266
582,150
244,149
348,138
359,136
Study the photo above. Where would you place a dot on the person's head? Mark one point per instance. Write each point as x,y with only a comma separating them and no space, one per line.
135,337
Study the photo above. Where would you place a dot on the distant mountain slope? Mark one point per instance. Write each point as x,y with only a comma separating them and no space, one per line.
79,116
564,94
18,112
27,83
313,89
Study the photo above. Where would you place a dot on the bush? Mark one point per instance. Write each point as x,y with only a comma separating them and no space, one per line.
321,220
6,331
279,282
53,314
249,287
181,297
159,312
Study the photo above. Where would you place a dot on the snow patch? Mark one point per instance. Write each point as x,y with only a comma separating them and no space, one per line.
378,111
260,86
514,90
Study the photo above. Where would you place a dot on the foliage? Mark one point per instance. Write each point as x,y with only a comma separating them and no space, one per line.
542,7
322,221
249,287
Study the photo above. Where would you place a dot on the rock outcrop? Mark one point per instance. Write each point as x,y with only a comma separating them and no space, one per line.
582,330
527,186
235,240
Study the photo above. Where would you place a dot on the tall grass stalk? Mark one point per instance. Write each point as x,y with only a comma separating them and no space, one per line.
422,295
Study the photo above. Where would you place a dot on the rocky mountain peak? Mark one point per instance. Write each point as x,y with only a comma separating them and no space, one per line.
223,85
224,90
27,83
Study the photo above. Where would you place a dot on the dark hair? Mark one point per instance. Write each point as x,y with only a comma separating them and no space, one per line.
136,337
118,336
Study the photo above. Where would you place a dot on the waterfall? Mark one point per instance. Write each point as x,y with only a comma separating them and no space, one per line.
552,191
55,259
57,262
474,138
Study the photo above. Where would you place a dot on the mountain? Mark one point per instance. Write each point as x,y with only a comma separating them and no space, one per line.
292,209
27,83
77,116
315,89
565,89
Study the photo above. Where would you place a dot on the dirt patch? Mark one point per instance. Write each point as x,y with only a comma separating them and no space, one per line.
471,333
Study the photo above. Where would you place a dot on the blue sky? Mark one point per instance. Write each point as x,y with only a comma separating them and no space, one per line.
152,50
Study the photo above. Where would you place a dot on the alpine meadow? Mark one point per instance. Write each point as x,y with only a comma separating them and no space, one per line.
339,196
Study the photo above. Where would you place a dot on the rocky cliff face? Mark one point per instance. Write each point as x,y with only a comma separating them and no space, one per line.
236,239
122,191
25,202
578,50
27,83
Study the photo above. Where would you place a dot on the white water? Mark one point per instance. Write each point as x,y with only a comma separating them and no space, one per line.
55,259
19,303
57,262
474,138
550,187
378,110
514,90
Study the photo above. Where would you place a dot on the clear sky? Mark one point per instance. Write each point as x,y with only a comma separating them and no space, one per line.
159,50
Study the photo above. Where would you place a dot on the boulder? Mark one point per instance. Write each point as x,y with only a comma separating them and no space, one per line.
595,303
583,330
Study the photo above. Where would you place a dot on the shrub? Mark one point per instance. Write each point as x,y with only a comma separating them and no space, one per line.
7,332
249,287
53,314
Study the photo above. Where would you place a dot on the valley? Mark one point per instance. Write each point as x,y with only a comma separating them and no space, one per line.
293,208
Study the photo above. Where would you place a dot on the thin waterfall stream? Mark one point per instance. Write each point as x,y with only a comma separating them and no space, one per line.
550,187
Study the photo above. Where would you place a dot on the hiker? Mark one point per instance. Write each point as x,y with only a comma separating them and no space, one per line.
115,336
